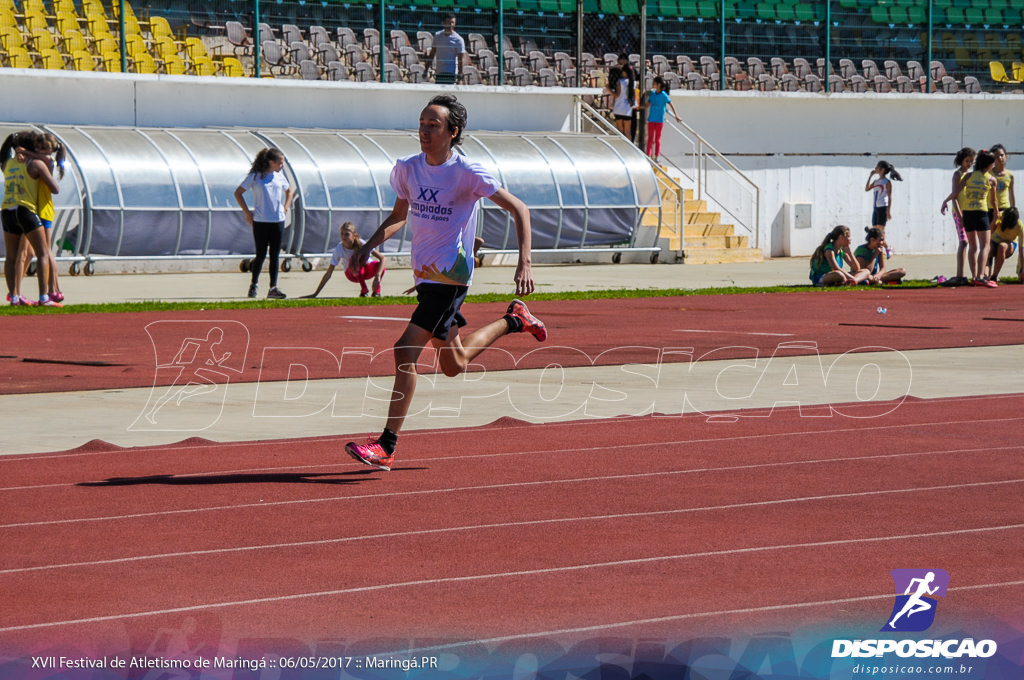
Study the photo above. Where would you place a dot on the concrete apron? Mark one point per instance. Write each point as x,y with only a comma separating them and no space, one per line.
679,387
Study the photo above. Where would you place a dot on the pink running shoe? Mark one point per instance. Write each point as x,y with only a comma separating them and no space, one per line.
531,324
57,296
371,453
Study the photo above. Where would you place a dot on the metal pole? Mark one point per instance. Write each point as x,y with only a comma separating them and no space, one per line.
931,22
579,43
721,56
124,43
501,42
641,115
258,47
383,79
828,44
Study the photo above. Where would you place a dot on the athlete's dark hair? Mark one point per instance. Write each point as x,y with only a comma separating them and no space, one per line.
997,147
1009,218
983,161
888,169
50,140
26,139
819,253
261,166
873,232
661,81
963,153
457,115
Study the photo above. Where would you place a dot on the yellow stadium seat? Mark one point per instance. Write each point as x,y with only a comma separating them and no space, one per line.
165,48
52,59
233,67
175,66
998,73
43,40
19,57
10,37
204,66
195,48
81,60
67,22
144,63
74,41
111,62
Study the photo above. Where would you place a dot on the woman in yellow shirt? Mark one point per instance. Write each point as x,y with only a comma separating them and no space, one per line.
980,189
19,214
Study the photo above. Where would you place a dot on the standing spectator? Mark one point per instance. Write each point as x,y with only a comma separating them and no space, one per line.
448,53
272,197
963,162
882,188
620,86
657,101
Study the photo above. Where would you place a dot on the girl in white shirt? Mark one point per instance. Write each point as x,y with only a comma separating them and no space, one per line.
272,196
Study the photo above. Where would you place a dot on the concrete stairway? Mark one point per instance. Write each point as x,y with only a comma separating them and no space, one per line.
707,240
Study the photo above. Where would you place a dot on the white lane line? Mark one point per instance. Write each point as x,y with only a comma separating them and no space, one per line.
503,575
682,617
651,513
702,330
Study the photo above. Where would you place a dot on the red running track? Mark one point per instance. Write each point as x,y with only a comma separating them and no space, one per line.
636,527
66,352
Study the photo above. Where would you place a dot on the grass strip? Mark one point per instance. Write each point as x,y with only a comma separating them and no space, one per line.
615,294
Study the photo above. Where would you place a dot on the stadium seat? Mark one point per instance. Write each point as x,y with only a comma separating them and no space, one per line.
882,83
175,66
904,84
238,38
336,70
972,85
308,70
81,60
999,74
231,67
949,85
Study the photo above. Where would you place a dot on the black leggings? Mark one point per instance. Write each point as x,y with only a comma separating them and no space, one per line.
268,237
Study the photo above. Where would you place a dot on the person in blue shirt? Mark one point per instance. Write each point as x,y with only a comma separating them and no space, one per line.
657,101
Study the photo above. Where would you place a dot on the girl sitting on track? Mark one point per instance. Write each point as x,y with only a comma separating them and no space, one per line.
342,255
979,191
830,257
871,256
1005,233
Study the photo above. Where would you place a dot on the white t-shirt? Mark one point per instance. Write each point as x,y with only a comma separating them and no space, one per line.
881,192
267,195
443,202
342,256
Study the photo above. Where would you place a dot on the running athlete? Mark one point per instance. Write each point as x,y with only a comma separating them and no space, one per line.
438,192
915,603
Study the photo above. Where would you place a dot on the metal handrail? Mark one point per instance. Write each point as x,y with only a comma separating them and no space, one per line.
705,151
664,180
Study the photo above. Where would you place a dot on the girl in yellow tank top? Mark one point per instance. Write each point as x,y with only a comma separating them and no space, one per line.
51,152
1004,179
980,189
22,176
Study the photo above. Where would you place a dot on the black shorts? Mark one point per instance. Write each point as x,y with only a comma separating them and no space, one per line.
880,216
438,308
976,220
20,220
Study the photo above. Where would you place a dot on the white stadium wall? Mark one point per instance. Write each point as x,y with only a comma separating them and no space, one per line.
799,148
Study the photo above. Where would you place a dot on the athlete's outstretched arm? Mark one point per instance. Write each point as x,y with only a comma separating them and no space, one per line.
521,215
388,228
